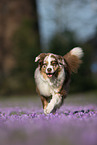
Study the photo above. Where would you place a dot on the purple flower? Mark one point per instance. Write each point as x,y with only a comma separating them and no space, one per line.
73,125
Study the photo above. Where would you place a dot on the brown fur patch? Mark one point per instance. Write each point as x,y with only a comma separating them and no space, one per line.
44,74
73,62
44,102
65,87
53,56
43,99
42,56
61,59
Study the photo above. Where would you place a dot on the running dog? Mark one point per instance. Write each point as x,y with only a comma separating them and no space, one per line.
52,77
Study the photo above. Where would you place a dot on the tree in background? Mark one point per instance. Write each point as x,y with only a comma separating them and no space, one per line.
61,43
26,48
19,44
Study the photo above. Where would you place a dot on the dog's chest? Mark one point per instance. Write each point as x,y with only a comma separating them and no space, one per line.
43,86
47,87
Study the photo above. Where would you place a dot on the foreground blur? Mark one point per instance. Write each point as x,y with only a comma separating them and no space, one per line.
25,123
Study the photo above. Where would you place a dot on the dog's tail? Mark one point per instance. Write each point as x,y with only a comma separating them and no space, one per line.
73,58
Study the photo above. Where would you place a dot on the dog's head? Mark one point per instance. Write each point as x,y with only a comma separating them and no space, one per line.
51,64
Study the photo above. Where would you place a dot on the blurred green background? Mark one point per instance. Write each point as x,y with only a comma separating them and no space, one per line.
29,27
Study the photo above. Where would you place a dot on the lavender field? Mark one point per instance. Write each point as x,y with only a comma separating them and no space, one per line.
22,122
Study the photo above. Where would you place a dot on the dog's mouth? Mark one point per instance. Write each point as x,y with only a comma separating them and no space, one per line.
50,74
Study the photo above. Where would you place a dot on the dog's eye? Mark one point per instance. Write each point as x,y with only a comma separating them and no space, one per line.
44,65
60,64
54,63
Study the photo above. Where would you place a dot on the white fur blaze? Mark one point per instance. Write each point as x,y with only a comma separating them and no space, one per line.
77,51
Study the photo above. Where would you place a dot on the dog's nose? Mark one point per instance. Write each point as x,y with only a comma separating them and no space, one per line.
49,69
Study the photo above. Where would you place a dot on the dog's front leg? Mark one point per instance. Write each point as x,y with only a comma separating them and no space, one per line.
44,102
56,100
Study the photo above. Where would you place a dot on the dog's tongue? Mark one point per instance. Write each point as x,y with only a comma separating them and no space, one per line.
50,75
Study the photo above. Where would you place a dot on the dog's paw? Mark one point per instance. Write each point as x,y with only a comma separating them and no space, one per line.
48,110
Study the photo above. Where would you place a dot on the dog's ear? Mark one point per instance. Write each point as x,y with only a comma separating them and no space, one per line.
73,58
40,57
61,60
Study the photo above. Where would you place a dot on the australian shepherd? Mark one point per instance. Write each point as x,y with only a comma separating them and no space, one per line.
52,77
